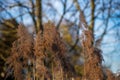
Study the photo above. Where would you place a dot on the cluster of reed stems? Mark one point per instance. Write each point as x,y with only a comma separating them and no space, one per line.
42,57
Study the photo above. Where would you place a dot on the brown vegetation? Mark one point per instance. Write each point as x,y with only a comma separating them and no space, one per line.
110,75
93,59
43,59
21,53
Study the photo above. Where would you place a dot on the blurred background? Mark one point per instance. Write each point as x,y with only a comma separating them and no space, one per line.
102,16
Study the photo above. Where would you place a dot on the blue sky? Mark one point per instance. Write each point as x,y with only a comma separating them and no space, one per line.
110,47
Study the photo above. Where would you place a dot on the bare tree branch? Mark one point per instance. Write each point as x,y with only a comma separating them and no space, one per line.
64,12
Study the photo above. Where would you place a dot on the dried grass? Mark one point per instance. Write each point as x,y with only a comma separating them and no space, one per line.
44,58
110,75
93,59
54,52
21,52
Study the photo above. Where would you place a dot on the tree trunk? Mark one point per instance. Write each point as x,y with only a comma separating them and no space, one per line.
39,15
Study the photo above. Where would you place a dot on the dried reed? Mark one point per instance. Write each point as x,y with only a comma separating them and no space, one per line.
39,59
93,58
21,53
